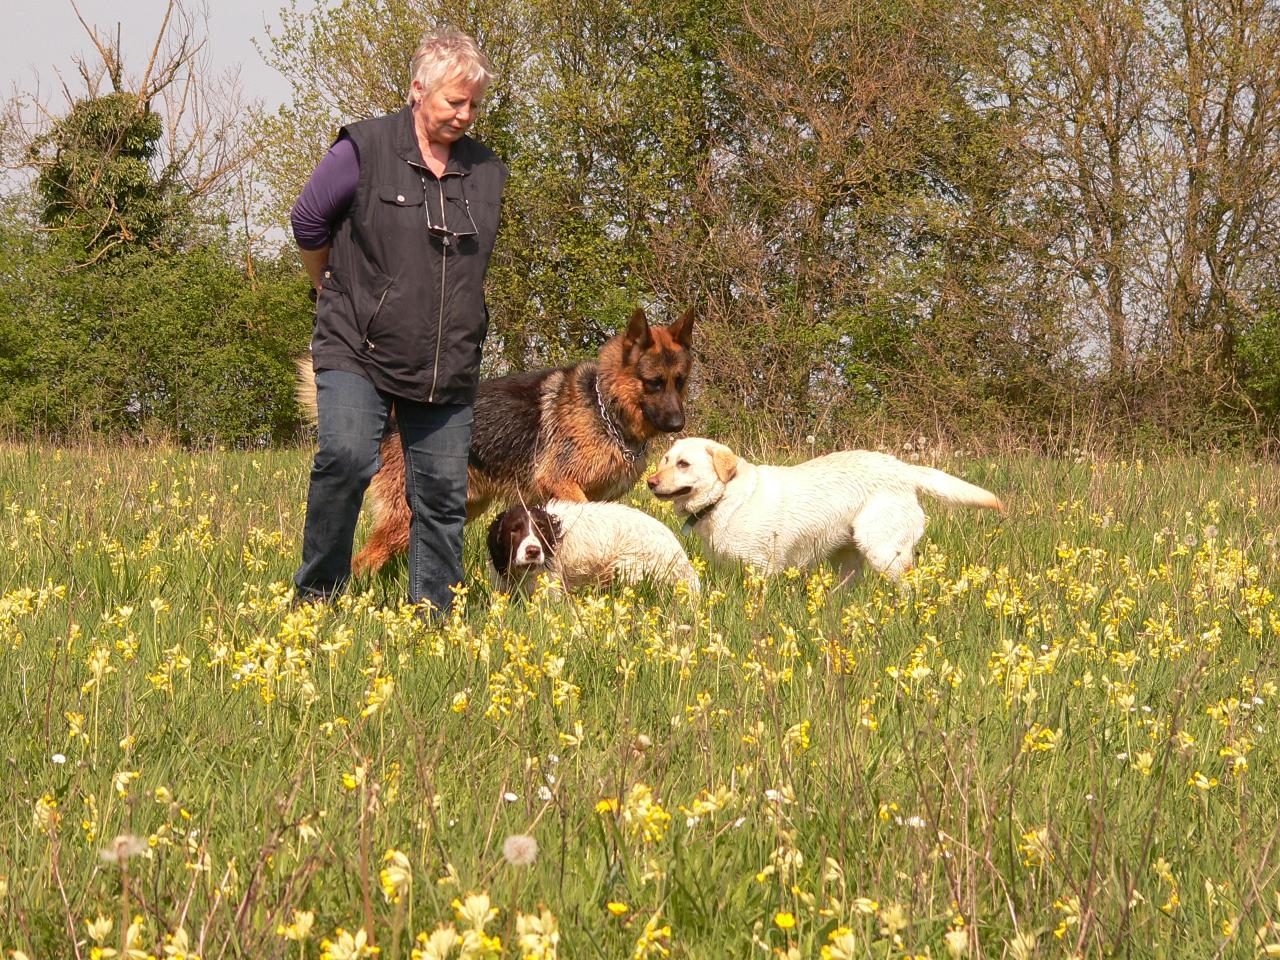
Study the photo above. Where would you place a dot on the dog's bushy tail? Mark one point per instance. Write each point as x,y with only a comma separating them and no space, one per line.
305,388
951,489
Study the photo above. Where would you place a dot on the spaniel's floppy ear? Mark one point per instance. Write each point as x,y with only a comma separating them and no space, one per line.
637,334
724,461
499,547
547,525
682,330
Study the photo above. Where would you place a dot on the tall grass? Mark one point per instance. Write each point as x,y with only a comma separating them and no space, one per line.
1056,738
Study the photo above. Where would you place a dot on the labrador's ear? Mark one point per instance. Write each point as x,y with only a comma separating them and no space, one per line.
724,461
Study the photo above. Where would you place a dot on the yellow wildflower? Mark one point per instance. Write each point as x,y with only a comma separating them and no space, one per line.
537,936
300,928
1201,782
842,945
652,941
436,945
474,910
396,877
348,947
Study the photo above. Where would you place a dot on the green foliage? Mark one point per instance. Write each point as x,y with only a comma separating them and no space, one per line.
1258,352
179,344
97,184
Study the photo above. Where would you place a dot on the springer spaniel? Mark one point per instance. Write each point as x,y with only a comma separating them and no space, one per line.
583,544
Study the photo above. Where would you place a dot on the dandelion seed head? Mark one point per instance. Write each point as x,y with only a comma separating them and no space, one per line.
520,850
123,847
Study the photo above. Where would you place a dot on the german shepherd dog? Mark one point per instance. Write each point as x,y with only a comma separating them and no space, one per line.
576,433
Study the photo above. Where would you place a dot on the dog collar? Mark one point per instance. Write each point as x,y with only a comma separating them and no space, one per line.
629,453
697,515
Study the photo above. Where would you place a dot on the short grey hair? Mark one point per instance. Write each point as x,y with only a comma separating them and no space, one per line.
446,55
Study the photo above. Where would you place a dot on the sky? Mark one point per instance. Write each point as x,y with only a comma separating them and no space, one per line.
40,37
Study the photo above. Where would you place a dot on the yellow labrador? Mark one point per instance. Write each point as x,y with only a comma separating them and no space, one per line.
844,507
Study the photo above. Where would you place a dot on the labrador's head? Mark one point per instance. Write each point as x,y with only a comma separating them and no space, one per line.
693,473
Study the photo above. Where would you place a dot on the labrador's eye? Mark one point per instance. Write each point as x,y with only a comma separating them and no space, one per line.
682,463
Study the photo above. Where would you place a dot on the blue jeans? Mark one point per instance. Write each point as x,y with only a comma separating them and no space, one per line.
436,439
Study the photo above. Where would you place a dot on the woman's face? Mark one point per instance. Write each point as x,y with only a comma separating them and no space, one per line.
447,112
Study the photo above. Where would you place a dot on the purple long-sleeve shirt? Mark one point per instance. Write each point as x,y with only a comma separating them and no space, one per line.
327,196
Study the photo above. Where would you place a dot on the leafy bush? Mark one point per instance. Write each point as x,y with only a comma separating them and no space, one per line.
183,344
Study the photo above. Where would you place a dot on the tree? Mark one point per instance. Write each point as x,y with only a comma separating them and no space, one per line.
122,309
602,109
143,162
1155,130
847,232
97,188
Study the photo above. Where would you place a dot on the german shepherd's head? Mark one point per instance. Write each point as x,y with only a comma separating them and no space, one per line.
650,374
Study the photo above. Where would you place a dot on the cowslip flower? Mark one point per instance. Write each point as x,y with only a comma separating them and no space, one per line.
842,945
957,942
1023,945
538,937
99,928
347,946
1201,782
474,910
45,814
435,945
893,919
122,779
177,946
377,695
1035,848
396,877
300,928
652,941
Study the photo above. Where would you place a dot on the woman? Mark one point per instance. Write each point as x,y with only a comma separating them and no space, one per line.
396,227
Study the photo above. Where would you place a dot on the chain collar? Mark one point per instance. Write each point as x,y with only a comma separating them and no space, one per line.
629,453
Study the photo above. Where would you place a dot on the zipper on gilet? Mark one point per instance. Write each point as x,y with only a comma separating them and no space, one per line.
444,272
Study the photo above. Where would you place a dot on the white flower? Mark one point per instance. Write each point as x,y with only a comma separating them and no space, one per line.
510,797
59,758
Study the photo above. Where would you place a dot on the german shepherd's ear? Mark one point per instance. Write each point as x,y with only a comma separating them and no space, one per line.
637,334
724,461
682,330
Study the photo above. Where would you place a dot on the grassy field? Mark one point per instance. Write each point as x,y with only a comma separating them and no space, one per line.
1057,738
